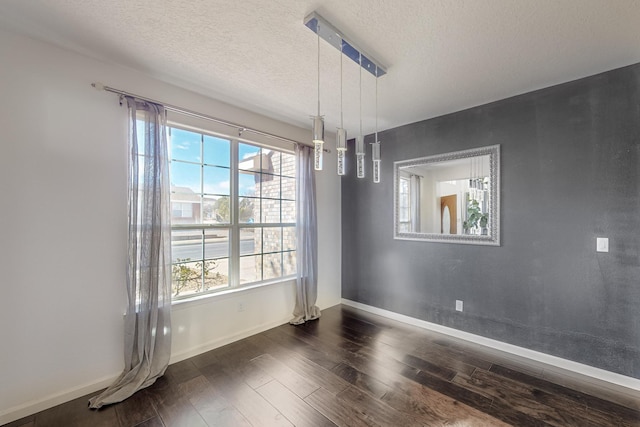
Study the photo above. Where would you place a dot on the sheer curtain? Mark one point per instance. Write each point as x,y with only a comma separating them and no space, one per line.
147,329
307,239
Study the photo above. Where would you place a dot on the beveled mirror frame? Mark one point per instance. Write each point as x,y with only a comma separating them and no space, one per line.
493,238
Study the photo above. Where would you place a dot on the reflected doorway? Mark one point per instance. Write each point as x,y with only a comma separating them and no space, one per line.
448,214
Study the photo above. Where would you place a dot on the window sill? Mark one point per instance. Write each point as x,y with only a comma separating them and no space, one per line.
228,293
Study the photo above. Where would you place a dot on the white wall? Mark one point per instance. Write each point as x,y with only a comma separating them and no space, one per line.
63,229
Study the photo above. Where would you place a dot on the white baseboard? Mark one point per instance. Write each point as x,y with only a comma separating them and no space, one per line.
28,408
553,361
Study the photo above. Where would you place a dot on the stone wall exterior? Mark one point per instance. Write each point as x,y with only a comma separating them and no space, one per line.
276,187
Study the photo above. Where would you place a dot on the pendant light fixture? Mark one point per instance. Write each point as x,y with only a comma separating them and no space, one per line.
318,122
331,35
341,137
375,147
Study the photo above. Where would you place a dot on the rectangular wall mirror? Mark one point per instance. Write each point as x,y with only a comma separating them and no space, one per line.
451,197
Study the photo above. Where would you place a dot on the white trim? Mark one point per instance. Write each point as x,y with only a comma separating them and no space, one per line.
229,292
547,359
34,406
31,407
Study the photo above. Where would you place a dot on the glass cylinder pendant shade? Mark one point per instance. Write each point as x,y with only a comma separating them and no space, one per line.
360,165
341,148
318,129
341,160
317,156
375,155
360,156
318,141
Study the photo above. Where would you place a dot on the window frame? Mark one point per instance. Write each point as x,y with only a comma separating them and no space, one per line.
234,226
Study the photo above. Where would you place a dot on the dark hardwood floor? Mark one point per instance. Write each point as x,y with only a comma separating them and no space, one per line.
352,368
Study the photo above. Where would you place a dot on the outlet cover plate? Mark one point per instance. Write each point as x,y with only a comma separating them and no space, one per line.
602,244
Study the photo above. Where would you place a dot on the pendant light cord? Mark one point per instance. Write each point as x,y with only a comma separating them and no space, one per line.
318,32
362,136
341,109
376,106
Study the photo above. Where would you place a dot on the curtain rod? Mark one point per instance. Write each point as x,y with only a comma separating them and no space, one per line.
241,129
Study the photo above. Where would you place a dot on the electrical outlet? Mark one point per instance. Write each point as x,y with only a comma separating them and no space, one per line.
602,244
240,307
458,305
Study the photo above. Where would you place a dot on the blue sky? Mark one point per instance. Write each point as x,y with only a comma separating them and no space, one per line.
185,145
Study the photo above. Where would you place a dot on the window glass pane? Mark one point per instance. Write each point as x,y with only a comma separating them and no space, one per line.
288,163
267,163
270,211
249,210
248,184
217,151
216,180
403,202
186,245
269,186
288,238
271,239
216,270
216,274
249,157
216,243
289,263
270,161
250,241
272,266
250,268
140,136
186,278
215,209
185,177
288,211
182,210
185,208
288,188
185,145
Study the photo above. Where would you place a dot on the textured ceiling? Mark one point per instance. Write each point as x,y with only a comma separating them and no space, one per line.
441,55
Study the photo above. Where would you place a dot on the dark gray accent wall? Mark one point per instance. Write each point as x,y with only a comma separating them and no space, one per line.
570,173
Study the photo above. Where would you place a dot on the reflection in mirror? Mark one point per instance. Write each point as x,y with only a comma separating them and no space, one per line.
451,197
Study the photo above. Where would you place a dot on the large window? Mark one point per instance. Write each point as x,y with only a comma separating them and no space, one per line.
233,213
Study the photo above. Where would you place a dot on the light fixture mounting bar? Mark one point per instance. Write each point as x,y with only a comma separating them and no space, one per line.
336,39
